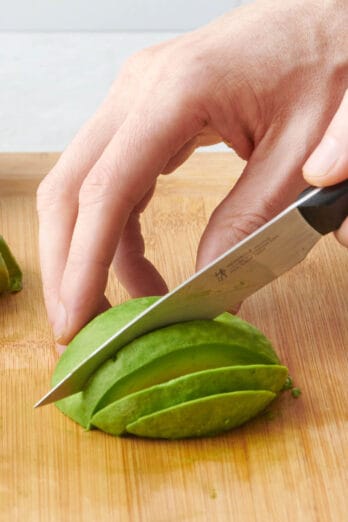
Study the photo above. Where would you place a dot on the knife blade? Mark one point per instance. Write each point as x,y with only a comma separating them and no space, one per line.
254,262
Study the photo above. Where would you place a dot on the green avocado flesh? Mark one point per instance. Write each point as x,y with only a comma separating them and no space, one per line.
115,417
10,273
165,367
177,362
4,276
203,417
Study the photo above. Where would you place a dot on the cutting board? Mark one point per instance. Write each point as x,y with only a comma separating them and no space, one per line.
289,465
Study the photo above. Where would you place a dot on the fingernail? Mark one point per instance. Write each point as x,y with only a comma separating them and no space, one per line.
323,158
59,324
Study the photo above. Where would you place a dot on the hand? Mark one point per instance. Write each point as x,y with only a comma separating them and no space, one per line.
328,164
266,79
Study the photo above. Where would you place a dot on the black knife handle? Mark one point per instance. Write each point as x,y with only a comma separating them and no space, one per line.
327,208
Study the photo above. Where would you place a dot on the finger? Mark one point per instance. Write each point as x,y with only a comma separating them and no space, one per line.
105,305
57,202
181,156
139,151
271,180
328,164
206,137
58,193
342,233
136,273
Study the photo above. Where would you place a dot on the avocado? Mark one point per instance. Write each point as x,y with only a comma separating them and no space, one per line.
203,417
4,276
157,356
176,362
10,273
166,368
114,417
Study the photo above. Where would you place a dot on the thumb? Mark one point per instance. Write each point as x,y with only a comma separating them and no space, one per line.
271,180
328,164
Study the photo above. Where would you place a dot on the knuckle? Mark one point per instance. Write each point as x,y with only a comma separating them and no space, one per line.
244,224
198,71
96,188
137,63
50,192
103,187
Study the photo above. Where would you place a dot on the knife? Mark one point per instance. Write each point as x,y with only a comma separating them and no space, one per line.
254,262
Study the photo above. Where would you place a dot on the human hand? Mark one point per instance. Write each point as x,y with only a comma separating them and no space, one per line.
266,79
328,164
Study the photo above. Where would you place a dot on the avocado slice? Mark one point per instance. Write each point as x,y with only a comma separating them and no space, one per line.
96,332
114,418
175,363
203,417
85,342
157,356
4,276
10,273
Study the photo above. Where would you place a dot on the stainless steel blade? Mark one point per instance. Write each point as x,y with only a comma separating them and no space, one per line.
251,264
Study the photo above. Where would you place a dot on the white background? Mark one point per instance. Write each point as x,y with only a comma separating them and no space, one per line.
59,57
110,15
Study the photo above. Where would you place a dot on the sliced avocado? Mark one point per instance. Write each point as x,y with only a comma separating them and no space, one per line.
156,357
4,276
14,272
114,418
176,363
202,417
85,342
96,332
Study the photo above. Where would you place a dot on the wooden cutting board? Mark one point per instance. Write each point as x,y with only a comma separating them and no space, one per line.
288,466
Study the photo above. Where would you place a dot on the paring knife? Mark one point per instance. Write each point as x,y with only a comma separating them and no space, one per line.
255,261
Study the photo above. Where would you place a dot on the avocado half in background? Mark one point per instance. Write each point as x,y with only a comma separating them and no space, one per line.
190,379
10,273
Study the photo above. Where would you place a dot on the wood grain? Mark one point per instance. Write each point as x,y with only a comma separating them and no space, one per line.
290,466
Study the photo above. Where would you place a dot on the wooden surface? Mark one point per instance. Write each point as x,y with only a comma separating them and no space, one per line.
288,466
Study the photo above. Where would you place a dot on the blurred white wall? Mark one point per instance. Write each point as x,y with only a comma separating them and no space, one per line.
59,57
110,15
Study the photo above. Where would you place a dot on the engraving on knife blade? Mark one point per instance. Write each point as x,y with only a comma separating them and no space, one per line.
220,274
251,254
